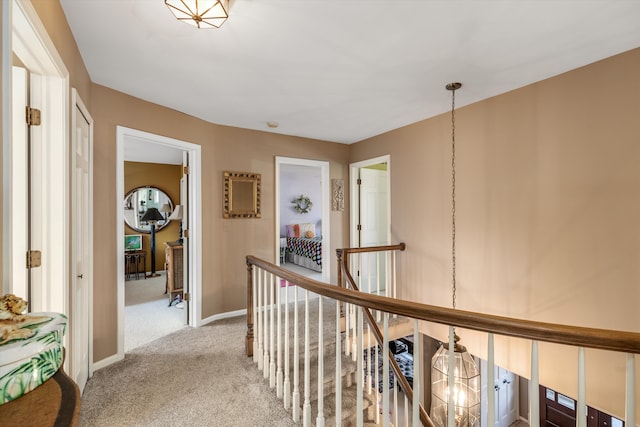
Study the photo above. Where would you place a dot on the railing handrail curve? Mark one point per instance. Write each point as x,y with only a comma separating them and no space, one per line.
603,339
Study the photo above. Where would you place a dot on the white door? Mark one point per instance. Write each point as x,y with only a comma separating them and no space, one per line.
81,286
507,397
505,387
184,201
373,226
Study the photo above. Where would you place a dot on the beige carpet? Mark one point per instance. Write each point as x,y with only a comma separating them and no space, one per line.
147,315
193,377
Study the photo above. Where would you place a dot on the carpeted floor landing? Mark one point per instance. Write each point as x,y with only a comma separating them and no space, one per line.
193,377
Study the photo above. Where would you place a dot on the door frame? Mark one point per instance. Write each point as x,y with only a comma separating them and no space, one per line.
194,210
25,35
355,200
325,183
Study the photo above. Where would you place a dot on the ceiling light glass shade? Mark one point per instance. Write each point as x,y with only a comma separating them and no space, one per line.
466,387
200,13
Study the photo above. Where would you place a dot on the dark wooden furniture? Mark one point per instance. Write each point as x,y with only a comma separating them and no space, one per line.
135,263
56,403
175,270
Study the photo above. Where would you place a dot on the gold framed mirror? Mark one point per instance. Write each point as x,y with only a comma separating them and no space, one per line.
241,195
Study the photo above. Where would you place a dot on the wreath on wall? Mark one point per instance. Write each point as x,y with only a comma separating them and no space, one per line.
302,204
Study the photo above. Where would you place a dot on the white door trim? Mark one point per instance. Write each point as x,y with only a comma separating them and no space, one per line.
326,209
25,36
353,192
195,221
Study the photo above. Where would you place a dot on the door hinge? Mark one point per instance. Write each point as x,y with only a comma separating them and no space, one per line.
359,181
186,296
185,170
185,233
34,259
33,116
359,227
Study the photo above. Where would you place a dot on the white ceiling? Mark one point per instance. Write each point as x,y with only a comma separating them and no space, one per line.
342,70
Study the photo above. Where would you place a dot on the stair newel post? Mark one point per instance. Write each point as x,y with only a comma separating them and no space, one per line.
385,370
320,417
417,375
250,344
266,326
286,384
338,408
296,359
306,408
359,370
260,320
279,378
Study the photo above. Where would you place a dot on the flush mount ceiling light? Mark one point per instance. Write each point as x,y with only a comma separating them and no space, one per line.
200,13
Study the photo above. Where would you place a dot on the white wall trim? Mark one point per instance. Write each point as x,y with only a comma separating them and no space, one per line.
195,212
226,315
353,193
326,209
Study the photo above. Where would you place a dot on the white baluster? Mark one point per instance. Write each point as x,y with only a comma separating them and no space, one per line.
265,363
279,377
376,363
296,360
395,402
256,320
534,386
320,417
630,409
417,374
385,370
359,371
306,408
338,367
286,384
491,391
272,334
369,383
450,402
581,417
260,355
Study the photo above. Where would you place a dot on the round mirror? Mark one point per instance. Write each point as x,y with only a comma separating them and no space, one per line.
139,200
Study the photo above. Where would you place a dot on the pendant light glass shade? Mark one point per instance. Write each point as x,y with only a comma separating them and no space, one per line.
200,13
466,387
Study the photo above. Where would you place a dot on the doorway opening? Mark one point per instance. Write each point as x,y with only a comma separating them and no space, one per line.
302,217
182,159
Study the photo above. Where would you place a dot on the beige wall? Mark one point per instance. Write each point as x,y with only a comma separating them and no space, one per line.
167,179
547,213
225,242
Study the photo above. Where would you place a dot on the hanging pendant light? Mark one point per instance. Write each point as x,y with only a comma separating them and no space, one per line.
200,13
455,387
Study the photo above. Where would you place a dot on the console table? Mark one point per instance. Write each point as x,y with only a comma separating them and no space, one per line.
174,253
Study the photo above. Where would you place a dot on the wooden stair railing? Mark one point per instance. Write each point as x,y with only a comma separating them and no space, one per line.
610,340
343,268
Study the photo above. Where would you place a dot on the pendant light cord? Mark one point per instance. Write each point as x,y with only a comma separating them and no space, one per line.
452,87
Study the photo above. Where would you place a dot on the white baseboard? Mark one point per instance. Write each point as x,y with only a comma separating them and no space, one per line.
115,358
107,361
221,316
